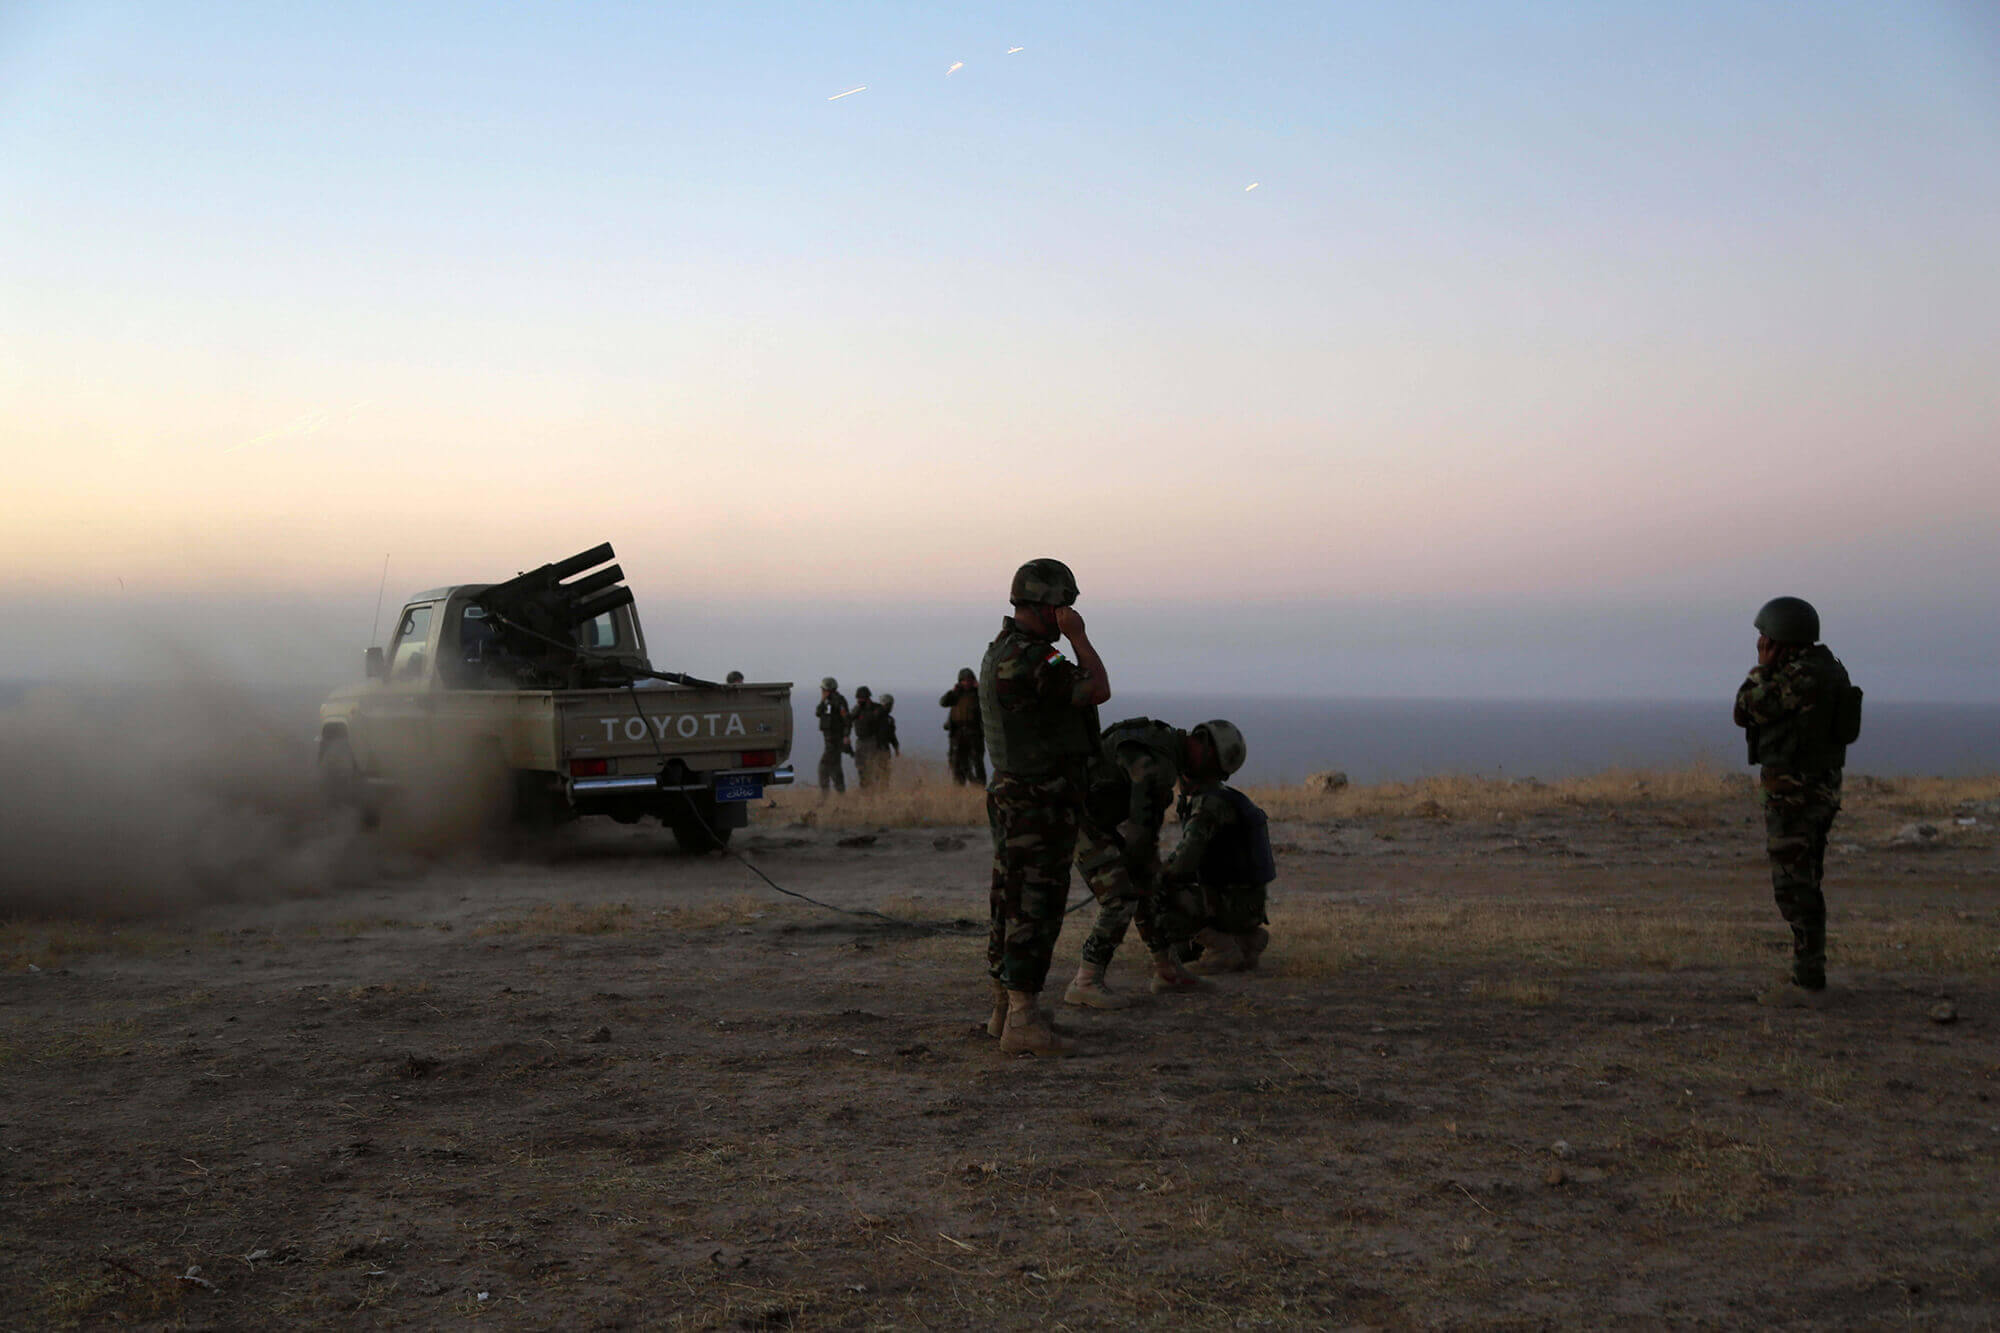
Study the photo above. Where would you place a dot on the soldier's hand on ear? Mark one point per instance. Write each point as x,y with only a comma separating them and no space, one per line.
1069,622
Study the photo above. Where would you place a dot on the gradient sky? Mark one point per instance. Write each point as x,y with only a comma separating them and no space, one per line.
1552,340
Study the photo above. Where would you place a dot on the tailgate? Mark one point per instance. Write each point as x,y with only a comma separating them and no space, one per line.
636,731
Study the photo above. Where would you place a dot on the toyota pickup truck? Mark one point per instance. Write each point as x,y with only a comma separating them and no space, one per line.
546,686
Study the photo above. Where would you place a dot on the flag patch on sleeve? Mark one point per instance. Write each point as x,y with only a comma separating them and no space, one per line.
1053,658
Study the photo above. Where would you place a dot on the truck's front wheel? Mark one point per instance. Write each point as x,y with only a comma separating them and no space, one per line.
697,825
341,785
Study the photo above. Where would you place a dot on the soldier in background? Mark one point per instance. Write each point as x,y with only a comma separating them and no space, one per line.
1799,711
1224,852
890,745
833,724
733,678
964,732
867,736
1040,713
1118,852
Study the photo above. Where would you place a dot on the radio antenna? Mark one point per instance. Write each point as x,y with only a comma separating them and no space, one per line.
376,626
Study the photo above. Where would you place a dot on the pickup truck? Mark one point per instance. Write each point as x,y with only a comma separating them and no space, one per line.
547,687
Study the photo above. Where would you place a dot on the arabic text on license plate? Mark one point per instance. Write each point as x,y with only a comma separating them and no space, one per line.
739,787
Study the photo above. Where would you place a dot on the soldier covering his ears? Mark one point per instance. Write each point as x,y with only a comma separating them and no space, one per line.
1040,714
1799,712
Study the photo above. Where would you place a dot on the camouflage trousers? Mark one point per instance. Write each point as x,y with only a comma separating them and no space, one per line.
1799,809
871,764
967,747
1127,892
1034,823
1237,909
830,772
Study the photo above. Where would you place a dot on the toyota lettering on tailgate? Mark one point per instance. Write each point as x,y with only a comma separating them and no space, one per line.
687,726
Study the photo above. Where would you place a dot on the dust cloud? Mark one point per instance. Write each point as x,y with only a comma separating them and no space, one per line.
146,799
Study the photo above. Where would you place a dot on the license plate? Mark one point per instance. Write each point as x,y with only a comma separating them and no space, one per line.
739,787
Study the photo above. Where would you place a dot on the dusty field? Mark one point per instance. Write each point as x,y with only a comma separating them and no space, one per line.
1502,1070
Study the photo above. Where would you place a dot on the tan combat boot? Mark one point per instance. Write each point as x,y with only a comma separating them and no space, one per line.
1219,953
996,1022
1027,1030
1088,989
1254,945
1170,978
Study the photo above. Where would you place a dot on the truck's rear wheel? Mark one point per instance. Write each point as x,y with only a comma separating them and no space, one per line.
696,823
341,785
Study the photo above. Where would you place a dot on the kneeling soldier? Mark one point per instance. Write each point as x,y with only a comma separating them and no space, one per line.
1225,849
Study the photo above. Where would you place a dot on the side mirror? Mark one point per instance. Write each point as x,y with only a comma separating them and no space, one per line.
374,664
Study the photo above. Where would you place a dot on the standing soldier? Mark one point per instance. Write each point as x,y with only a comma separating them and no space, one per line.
966,739
1800,712
867,736
1225,850
890,745
1040,714
833,724
1118,853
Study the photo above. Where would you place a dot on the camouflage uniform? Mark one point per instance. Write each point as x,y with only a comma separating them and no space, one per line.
965,734
869,751
833,724
1232,904
1118,850
890,745
1787,711
1042,736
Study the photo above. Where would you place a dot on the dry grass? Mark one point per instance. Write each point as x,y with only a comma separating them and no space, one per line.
49,944
621,918
1318,939
922,795
67,1044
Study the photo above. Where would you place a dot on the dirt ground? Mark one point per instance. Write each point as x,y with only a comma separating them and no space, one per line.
1502,1071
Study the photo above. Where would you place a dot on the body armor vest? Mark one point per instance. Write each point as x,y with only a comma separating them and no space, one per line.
1241,854
1048,738
1111,784
1813,741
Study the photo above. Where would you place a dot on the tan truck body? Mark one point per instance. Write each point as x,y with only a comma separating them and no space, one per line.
691,755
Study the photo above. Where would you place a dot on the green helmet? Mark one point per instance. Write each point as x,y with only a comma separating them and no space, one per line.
1227,743
1788,620
967,673
888,701
863,692
828,683
1044,582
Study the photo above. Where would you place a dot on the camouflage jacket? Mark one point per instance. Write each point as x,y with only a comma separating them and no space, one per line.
1134,785
1034,707
1206,814
833,718
1788,710
963,701
868,723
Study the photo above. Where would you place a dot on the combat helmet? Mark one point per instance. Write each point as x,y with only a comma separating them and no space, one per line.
1788,620
967,673
828,683
863,692
888,701
1045,582
1226,742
